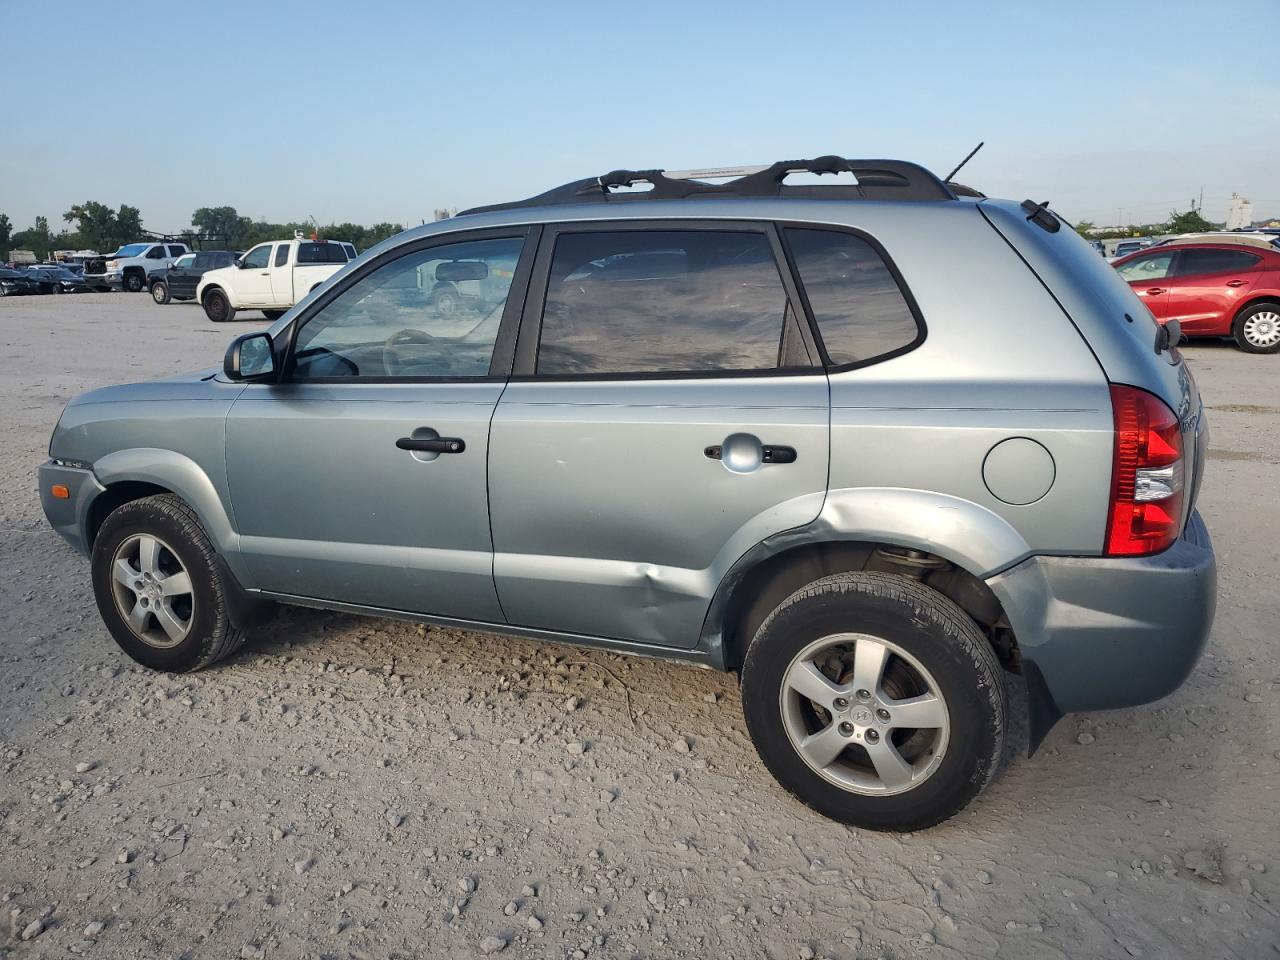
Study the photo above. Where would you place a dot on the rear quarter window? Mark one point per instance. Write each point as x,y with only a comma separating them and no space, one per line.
321,253
861,312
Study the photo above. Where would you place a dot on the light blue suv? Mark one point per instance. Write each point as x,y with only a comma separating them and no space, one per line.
882,447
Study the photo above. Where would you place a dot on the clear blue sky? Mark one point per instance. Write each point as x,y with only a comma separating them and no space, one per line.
385,111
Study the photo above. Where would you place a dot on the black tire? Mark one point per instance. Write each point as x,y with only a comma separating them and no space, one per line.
273,315
444,300
160,292
133,282
933,630
1246,340
211,636
217,307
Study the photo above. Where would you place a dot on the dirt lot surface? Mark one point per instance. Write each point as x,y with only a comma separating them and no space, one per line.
348,787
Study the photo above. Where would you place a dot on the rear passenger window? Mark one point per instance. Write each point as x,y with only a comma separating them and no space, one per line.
662,301
860,309
1191,262
282,254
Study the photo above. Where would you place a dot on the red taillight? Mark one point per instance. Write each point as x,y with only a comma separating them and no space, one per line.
1146,474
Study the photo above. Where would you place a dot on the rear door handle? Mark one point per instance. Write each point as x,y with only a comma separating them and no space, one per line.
1236,283
432,444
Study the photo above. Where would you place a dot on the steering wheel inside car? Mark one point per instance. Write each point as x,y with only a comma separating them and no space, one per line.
392,360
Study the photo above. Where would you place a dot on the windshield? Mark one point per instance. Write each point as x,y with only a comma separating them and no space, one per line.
131,250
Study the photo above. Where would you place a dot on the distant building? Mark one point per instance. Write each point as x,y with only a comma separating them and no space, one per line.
1239,212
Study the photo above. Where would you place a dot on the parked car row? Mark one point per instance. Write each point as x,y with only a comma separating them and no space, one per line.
40,278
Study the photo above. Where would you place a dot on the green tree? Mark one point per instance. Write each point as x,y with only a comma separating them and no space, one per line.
96,223
1188,222
6,232
128,224
222,222
37,239
1085,228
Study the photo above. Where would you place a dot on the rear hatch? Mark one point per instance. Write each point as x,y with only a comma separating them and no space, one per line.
1123,335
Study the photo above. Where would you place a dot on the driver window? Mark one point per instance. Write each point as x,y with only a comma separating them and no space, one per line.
258,257
432,313
1154,267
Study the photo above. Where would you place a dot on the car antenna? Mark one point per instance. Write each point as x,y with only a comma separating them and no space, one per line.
968,157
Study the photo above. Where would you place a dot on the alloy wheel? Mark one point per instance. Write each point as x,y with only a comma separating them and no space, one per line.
864,714
152,591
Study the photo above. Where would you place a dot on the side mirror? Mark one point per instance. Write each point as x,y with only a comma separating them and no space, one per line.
237,262
250,357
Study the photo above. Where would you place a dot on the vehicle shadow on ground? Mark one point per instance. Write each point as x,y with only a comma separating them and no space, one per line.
1144,755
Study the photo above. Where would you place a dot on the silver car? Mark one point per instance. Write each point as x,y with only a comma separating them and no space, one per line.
883,449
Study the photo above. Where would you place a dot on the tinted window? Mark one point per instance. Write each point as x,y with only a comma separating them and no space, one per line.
258,257
156,253
859,307
177,251
661,302
1124,249
1154,266
321,253
1191,262
433,313
282,254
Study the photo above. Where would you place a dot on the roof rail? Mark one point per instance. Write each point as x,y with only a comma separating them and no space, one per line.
876,180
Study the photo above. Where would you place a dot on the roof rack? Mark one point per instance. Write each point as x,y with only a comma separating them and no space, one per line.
876,180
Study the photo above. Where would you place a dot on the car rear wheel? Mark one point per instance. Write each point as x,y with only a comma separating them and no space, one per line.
160,292
875,700
1257,328
158,586
217,307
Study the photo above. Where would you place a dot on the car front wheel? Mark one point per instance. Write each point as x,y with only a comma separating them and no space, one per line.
133,282
160,292
158,586
1257,328
217,307
875,700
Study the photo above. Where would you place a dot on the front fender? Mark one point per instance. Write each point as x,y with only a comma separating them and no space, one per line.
184,477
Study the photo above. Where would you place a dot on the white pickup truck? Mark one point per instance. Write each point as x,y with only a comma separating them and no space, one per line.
271,277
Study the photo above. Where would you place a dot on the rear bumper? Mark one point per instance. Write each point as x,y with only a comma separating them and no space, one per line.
68,516
1113,632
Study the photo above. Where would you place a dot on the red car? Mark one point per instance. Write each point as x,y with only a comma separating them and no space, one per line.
1212,290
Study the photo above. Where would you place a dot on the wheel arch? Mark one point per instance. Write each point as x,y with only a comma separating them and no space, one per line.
205,291
128,475
950,544
1255,300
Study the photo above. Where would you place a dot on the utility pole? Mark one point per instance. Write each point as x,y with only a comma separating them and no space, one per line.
1201,207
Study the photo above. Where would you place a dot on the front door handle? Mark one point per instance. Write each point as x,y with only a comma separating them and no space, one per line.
769,453
1155,291
1236,283
432,444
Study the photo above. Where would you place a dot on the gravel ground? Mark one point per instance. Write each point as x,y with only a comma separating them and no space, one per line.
349,787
